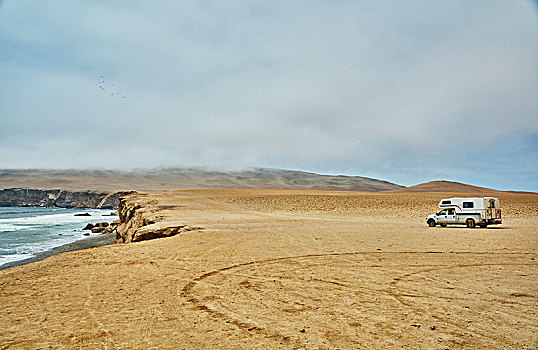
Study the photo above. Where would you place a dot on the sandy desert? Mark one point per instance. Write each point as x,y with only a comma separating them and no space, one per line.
266,269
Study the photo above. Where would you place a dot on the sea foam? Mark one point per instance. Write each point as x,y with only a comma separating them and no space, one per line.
26,231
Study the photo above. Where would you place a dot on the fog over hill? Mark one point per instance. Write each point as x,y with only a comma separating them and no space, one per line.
193,178
164,179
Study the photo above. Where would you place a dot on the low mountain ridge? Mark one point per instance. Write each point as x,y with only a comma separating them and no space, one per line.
177,179
448,186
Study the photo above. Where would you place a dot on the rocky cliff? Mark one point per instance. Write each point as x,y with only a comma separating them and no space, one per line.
23,197
139,221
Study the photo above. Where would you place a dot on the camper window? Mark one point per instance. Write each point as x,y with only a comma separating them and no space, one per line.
468,204
446,202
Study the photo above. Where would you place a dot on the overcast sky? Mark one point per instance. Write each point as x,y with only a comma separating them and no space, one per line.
405,91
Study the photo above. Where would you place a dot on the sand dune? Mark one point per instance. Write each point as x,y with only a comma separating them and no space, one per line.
287,269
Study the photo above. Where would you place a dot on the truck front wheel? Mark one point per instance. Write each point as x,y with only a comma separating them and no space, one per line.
470,223
431,223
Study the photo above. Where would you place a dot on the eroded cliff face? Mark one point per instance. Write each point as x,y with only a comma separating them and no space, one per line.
139,221
23,197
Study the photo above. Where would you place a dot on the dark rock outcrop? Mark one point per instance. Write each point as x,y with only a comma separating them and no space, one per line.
99,227
103,227
26,197
113,227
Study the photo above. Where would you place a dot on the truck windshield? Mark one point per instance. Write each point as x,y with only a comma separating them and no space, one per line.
442,212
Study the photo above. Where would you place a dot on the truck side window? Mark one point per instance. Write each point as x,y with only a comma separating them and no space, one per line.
450,211
468,204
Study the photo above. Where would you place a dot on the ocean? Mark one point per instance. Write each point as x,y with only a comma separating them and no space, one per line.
26,231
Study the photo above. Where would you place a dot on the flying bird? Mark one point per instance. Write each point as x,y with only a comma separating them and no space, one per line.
114,91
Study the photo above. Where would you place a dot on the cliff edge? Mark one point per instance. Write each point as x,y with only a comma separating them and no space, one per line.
138,220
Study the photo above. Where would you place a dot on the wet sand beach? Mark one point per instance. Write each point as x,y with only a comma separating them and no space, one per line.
271,269
90,242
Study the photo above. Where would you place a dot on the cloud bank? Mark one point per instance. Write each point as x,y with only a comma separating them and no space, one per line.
404,91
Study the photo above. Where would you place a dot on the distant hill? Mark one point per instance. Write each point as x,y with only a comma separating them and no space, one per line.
170,179
447,186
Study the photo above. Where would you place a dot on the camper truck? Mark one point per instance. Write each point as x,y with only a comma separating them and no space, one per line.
481,211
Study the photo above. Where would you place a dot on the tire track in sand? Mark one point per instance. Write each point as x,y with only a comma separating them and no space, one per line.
227,316
393,288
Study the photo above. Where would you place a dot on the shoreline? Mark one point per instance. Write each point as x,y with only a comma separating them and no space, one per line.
87,243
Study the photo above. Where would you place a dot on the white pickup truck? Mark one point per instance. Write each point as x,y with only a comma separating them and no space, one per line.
481,211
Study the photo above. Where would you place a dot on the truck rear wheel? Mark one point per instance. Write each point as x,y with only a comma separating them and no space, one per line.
431,223
470,223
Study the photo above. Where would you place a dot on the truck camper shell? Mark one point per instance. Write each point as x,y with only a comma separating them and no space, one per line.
470,211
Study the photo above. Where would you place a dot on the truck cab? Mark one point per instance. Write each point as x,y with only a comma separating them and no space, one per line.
470,211
446,216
